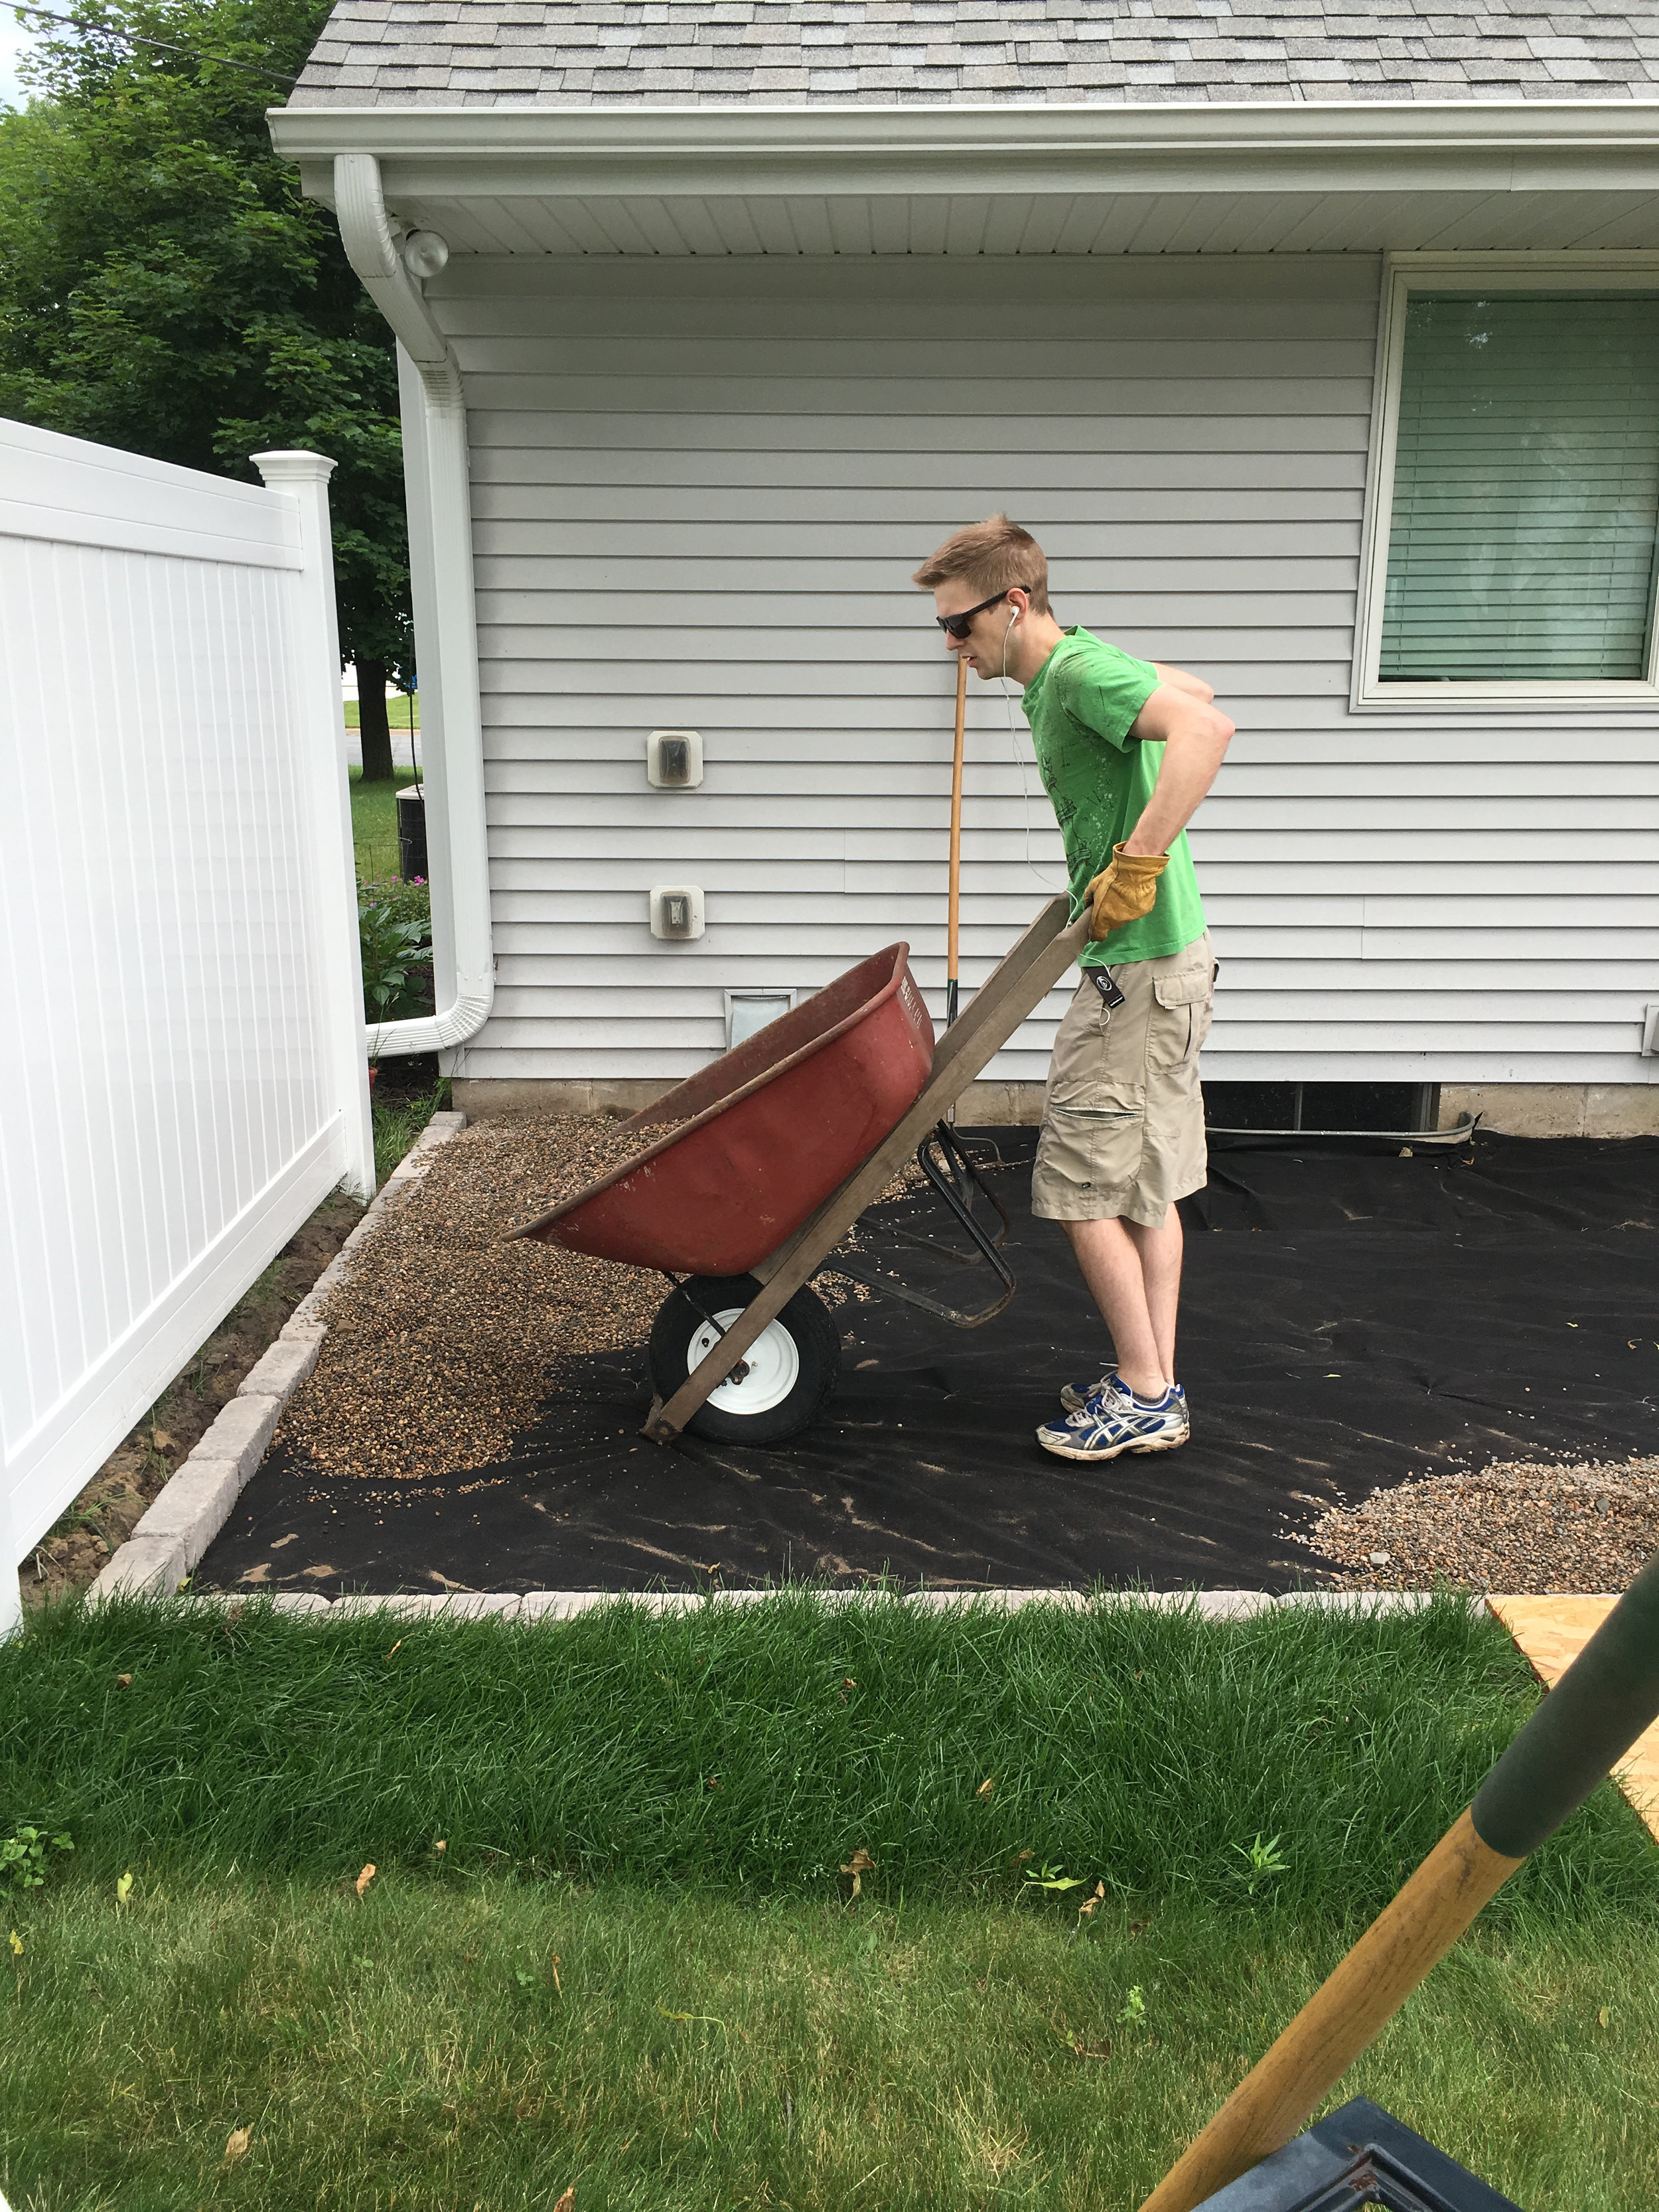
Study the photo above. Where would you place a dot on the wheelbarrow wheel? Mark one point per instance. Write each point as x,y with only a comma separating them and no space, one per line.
789,1370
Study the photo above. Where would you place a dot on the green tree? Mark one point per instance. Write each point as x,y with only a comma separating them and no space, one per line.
165,289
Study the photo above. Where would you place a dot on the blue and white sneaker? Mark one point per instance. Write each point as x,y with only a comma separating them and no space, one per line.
1114,1421
1076,1395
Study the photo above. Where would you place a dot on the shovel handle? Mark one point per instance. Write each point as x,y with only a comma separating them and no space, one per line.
1606,1699
1584,1728
1341,2018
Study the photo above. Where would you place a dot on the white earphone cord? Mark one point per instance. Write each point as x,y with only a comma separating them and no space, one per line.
1019,762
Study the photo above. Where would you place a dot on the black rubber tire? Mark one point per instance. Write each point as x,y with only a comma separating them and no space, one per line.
817,1347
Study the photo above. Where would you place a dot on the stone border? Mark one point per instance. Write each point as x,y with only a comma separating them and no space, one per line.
567,1605
196,1502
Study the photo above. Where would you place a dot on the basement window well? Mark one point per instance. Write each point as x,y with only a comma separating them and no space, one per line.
1330,1109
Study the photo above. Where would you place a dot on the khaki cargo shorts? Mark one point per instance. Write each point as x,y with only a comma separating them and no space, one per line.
1123,1121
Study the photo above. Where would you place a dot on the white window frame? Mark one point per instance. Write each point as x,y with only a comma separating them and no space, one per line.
1403,274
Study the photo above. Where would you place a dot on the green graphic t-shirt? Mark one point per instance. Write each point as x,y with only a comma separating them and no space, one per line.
1081,705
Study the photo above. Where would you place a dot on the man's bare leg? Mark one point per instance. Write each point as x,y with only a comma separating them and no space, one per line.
1111,1261
1160,1251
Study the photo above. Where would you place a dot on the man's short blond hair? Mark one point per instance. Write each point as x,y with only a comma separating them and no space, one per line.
990,556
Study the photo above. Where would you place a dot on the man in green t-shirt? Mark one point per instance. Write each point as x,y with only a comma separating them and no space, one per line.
1127,749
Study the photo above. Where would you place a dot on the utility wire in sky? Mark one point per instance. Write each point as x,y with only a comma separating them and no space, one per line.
84,23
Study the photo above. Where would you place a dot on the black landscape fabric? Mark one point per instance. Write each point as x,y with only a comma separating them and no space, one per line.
1349,1317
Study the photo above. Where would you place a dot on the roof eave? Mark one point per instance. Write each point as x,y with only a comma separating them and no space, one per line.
1515,145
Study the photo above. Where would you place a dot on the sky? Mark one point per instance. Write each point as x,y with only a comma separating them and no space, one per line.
13,39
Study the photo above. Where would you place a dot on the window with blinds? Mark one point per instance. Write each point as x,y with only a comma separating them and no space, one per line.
1526,489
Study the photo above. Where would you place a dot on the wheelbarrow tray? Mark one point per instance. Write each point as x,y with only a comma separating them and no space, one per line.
764,1135
1017,984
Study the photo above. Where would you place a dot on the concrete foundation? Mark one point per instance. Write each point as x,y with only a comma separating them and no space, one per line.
1555,1110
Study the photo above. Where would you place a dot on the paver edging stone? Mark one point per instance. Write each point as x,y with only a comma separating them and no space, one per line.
198,1500
530,1605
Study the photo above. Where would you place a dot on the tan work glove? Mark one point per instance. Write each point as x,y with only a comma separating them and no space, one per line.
1124,892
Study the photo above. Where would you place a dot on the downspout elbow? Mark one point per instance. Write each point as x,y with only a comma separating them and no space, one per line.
365,234
453,1025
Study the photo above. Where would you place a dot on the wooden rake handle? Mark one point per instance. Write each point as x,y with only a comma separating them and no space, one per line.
953,911
1584,1727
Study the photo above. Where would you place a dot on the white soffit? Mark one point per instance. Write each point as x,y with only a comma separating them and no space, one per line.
1005,180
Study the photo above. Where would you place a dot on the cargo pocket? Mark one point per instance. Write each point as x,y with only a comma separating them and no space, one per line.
1086,1150
1181,1016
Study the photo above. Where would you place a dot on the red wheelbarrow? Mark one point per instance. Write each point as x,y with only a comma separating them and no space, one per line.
765,1163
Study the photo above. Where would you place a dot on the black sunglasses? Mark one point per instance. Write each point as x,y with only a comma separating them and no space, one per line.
957,626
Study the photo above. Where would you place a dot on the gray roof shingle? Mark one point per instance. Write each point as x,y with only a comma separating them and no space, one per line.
691,54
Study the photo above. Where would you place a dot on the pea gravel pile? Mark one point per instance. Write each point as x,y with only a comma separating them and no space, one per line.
444,1339
1518,1527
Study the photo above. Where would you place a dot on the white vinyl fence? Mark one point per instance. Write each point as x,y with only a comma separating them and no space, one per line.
182,1065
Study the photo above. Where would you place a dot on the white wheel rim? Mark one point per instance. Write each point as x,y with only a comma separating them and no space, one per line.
773,1360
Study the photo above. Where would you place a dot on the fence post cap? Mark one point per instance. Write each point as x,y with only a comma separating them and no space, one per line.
286,467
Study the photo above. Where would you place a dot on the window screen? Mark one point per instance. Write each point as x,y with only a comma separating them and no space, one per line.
1526,489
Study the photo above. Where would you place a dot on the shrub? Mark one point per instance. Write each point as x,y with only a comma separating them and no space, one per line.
394,930
406,901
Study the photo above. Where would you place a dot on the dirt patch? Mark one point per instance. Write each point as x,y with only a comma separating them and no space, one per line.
446,1337
1517,1528
103,1517
404,1078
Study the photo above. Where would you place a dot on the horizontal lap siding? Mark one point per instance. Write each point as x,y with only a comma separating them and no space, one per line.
698,491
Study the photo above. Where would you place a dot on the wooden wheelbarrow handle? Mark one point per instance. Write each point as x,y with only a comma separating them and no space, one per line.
1584,1727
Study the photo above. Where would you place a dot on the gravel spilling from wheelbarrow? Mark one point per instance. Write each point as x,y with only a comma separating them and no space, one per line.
1517,1528
445,1339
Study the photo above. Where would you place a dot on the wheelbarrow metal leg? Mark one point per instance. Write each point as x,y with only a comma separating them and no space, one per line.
1015,986
955,1184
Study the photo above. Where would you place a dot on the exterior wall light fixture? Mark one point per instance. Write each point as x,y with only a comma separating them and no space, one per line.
676,910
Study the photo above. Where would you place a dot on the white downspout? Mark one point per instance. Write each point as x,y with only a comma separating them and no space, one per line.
441,562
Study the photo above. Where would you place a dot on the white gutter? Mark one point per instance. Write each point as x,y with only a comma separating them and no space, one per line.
1265,147
441,562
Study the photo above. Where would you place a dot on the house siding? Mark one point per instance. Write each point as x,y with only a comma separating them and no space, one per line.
699,488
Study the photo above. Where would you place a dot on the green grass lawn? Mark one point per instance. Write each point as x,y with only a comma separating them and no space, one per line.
495,2043
635,1968
398,712
374,825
